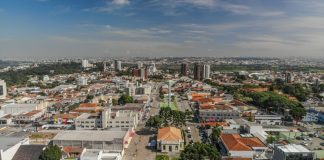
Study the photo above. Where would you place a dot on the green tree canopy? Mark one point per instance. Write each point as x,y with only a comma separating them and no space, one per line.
51,153
125,99
200,151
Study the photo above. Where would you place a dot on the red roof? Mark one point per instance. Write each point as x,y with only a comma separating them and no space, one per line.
234,142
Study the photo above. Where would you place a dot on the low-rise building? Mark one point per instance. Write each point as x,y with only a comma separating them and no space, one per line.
242,145
29,116
170,139
107,119
110,141
10,145
268,119
217,113
292,152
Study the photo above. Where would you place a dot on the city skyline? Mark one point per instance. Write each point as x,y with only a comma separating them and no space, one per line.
59,28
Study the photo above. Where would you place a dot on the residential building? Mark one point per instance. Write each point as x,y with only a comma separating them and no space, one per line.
242,145
169,139
206,71
198,71
184,69
118,65
85,63
292,152
3,89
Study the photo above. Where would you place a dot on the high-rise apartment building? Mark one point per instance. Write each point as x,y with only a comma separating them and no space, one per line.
3,89
201,71
118,65
184,69
206,71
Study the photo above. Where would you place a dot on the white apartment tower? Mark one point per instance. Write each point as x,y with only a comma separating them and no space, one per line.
85,63
206,71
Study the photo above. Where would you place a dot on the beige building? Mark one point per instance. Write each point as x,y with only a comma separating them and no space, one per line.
170,139
107,119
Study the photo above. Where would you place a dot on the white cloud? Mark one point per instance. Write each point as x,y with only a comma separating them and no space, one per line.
121,2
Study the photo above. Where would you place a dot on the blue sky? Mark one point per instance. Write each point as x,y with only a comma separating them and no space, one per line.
78,28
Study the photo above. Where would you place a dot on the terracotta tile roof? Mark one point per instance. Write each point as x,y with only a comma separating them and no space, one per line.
66,116
169,134
235,142
88,105
70,149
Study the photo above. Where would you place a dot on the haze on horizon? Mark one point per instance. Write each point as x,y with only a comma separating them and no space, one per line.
76,28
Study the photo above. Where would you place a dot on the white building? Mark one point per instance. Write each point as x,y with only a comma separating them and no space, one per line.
82,81
206,71
85,63
291,152
107,119
268,119
139,65
16,109
46,78
3,89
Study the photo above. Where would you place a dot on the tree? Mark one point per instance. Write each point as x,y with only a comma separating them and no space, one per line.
200,151
125,99
51,153
216,132
154,122
167,117
272,139
298,113
162,157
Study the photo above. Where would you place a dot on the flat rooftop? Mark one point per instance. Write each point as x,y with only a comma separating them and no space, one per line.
89,135
293,148
7,142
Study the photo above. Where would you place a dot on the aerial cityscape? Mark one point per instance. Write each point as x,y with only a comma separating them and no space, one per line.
161,80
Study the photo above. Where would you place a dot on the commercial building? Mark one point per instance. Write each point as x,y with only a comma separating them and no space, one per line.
292,152
10,145
3,89
107,119
218,113
113,141
242,145
169,139
20,108
268,119
29,116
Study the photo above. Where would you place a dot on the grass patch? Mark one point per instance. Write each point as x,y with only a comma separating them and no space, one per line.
165,104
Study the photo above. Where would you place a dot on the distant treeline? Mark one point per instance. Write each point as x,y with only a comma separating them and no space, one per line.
20,77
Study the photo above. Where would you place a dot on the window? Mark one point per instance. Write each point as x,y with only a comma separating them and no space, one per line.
122,122
176,148
170,148
127,121
163,147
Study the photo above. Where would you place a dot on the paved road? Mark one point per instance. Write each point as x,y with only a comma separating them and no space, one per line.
138,149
